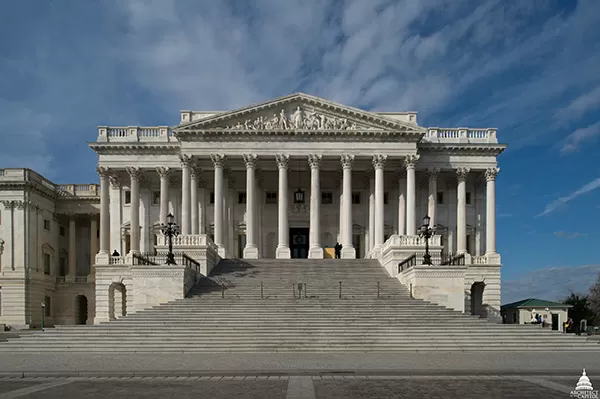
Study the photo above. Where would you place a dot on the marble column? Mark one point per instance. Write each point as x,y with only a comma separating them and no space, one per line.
315,250
218,161
104,213
186,163
379,164
401,203
194,177
461,210
201,207
283,245
340,199
348,251
165,174
225,216
116,215
93,242
251,249
432,198
72,247
135,174
409,162
490,210
371,223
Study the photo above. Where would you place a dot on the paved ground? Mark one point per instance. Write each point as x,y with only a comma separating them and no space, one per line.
292,387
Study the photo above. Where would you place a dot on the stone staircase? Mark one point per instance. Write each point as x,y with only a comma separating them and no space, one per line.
230,312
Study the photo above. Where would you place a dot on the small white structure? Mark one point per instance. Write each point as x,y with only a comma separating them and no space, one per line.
554,314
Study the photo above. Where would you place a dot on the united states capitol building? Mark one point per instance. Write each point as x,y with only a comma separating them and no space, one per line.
287,178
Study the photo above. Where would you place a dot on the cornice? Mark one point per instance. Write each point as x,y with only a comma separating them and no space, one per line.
298,135
463,148
36,187
135,148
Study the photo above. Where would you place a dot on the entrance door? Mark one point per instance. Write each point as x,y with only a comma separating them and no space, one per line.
299,243
554,321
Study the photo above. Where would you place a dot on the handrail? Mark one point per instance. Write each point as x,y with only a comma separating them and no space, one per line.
408,262
452,259
142,260
182,259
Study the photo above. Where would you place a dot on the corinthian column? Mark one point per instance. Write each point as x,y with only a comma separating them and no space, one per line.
401,203
104,215
315,249
431,200
72,246
194,177
348,251
186,163
218,161
379,164
164,173
409,162
490,211
461,210
134,175
251,249
283,246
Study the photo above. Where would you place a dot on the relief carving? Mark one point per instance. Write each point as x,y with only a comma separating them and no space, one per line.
491,173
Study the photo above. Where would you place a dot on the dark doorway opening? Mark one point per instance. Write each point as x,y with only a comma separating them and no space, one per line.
555,322
299,243
82,309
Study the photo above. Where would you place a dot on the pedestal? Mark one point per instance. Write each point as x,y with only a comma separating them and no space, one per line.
251,252
315,253
348,253
282,253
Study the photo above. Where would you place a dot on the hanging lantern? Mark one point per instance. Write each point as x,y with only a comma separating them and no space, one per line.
299,197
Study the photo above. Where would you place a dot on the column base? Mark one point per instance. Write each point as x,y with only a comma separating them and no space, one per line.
251,252
493,258
315,253
102,258
282,252
348,252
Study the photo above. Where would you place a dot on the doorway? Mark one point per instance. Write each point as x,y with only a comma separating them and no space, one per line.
477,299
299,243
554,321
82,309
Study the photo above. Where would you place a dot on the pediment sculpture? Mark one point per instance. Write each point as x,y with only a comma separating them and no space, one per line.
299,119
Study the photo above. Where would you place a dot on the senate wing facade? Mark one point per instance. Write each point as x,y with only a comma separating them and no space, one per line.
287,178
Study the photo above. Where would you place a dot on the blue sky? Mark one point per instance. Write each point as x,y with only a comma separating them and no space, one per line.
529,68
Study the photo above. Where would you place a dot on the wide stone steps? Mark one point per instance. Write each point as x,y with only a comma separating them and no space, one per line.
242,321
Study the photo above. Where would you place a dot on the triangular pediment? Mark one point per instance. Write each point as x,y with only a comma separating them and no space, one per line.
299,112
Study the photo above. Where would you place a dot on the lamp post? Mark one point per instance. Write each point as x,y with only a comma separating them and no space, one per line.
43,314
170,230
426,232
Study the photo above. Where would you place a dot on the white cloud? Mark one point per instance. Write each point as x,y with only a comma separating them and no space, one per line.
550,283
564,234
584,103
574,140
551,207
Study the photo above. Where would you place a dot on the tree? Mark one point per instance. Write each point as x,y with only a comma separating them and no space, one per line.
580,308
594,298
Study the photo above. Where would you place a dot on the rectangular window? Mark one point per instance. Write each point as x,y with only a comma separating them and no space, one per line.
469,246
48,307
242,197
212,198
62,266
46,224
47,264
62,230
156,197
386,198
355,198
468,198
514,318
127,197
326,197
0,301
440,198
271,197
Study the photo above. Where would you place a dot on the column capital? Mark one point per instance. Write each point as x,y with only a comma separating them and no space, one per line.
282,160
103,172
379,161
314,160
115,181
491,173
461,173
218,160
186,160
250,160
134,172
411,160
195,171
164,171
432,173
347,161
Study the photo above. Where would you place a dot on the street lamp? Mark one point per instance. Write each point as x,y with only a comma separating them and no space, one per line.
43,314
170,230
426,232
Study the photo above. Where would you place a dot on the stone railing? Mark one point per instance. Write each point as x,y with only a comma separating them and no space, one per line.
135,134
479,260
461,135
199,247
79,190
186,240
118,260
397,248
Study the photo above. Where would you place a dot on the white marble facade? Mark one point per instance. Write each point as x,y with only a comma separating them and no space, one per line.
285,178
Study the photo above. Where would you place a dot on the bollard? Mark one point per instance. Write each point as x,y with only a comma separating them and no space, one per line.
411,291
305,291
299,290
222,290
294,290
378,290
340,296
261,290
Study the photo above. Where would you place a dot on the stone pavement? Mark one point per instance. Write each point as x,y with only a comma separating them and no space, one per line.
200,364
291,387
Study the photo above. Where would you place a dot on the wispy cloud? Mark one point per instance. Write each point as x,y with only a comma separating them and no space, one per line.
574,140
551,207
550,283
586,102
564,234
